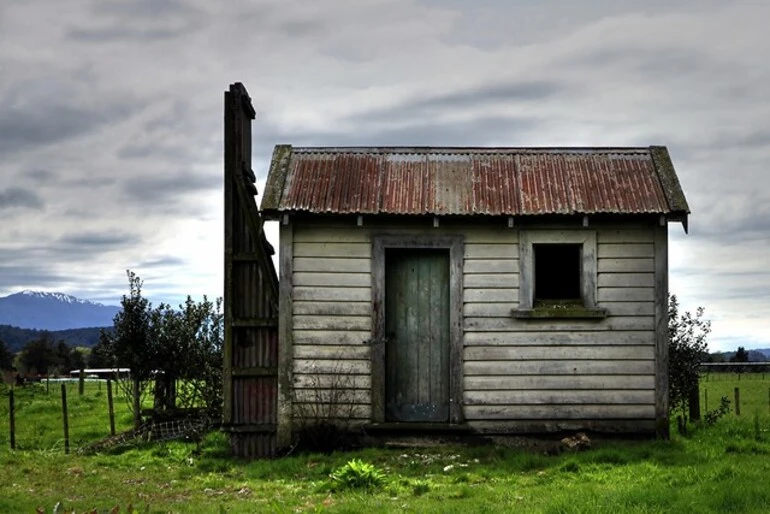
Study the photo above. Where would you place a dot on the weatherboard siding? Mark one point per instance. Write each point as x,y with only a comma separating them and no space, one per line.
517,374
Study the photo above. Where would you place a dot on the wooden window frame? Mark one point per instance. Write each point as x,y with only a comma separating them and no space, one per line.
455,245
588,278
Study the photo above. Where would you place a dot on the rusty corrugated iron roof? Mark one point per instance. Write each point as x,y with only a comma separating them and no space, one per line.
468,181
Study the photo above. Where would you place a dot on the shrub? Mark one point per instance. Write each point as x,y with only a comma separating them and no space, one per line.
687,348
713,416
357,474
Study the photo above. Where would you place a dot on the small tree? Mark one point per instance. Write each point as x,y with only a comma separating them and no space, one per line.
101,354
39,355
131,345
687,348
6,357
180,351
741,355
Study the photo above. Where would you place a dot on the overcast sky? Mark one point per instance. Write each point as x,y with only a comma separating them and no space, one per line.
111,120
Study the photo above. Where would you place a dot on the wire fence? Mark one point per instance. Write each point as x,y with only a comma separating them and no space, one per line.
61,414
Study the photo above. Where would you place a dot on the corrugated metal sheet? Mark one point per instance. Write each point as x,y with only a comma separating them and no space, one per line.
463,181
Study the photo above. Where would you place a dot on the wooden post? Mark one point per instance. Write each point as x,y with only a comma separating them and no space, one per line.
706,398
110,407
737,402
81,382
137,404
694,403
12,419
47,384
65,421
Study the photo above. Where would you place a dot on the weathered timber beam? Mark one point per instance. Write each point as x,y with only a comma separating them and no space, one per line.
256,371
264,428
255,322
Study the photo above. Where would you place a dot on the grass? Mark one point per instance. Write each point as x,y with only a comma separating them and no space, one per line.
38,414
754,391
722,468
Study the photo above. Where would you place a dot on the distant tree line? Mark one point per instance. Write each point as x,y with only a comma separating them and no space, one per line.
43,356
740,355
15,338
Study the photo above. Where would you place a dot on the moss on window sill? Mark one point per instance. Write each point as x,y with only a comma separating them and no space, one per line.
559,310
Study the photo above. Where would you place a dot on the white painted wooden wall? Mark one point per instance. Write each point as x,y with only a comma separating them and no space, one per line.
518,374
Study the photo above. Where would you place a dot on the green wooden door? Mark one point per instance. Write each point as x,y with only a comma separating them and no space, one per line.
417,330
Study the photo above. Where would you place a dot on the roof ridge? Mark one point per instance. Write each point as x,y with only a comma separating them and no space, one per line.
472,149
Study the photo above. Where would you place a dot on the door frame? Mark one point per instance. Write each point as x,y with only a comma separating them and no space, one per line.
455,245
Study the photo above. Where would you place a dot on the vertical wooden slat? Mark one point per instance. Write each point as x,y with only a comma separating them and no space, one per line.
456,255
230,223
661,332
378,351
285,336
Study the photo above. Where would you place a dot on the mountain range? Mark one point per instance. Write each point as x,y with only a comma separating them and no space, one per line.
53,311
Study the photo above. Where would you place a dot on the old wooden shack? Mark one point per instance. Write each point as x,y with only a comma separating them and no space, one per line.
491,290
499,289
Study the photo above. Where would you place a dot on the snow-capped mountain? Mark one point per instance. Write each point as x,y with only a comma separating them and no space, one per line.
53,311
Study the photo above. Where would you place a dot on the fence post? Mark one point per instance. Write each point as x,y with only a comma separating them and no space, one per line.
82,382
110,407
65,421
13,419
706,398
694,403
737,402
136,401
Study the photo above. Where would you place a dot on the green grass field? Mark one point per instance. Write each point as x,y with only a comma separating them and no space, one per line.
719,468
38,411
754,391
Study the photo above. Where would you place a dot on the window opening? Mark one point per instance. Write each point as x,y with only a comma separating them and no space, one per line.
557,272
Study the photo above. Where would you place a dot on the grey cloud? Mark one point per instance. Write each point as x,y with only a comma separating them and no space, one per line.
116,33
753,139
140,20
19,197
165,188
14,276
104,240
89,182
145,8
40,176
479,131
470,98
154,149
651,62
38,123
161,262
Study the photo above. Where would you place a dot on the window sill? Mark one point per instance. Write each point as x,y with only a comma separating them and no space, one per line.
560,312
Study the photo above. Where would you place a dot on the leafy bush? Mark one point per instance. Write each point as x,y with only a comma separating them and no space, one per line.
687,348
713,416
357,474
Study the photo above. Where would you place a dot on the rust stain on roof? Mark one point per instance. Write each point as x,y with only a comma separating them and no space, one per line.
467,181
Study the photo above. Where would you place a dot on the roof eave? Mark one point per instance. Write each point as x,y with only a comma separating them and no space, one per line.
672,190
276,178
